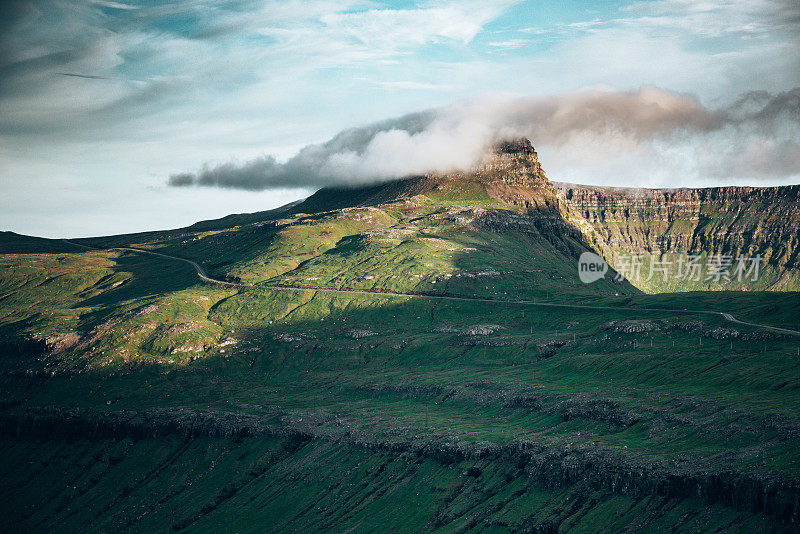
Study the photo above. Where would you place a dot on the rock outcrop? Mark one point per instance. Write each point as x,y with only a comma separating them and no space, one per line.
551,465
514,162
733,221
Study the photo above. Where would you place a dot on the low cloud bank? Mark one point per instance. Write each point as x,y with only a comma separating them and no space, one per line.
647,137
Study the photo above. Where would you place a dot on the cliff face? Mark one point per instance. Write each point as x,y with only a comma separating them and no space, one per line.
515,163
729,221
510,172
662,226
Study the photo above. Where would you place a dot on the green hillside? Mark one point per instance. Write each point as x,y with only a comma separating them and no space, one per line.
414,356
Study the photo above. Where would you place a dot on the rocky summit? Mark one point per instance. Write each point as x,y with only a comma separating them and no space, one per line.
513,162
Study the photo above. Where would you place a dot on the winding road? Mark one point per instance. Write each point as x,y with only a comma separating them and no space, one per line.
204,276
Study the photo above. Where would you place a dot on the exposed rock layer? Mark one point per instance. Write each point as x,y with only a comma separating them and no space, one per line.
552,466
721,220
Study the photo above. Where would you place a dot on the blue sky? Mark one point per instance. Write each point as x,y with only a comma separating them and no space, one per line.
102,101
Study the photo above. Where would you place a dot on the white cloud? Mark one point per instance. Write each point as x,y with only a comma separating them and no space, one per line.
113,5
510,44
390,30
408,84
630,133
713,49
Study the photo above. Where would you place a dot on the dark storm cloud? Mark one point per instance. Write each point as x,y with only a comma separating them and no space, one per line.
454,137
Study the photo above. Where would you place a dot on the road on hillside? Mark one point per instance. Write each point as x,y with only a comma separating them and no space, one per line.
204,276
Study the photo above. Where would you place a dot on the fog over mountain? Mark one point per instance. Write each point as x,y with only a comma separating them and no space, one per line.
658,132
107,108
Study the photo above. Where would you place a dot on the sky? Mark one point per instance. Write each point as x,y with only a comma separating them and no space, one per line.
135,115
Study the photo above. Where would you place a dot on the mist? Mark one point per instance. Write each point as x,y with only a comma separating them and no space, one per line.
649,137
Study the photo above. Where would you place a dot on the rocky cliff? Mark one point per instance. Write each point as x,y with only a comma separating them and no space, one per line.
721,221
513,174
719,226
514,162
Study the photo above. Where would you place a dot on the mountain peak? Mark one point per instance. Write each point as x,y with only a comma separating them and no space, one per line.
519,146
509,171
513,161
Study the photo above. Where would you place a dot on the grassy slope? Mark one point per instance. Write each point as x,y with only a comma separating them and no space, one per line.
253,485
150,334
12,243
297,350
437,244
101,309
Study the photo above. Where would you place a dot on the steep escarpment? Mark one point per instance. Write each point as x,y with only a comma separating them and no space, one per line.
291,485
549,467
733,222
